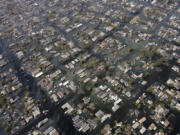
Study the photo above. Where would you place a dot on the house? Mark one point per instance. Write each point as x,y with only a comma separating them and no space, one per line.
54,97
2,63
85,127
144,82
36,112
72,86
42,122
1,57
68,107
65,83
137,76
135,125
106,116
142,130
38,74
99,114
20,54
80,124
56,73
128,94
86,80
103,87
178,60
28,118
54,132
177,106
177,84
118,101
48,131
175,68
115,108
35,132
62,93
143,119
48,48
86,100
152,127
166,123
92,123
109,28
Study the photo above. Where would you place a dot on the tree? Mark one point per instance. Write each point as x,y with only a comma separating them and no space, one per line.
116,87
146,75
88,88
2,100
6,126
171,85
122,126
92,106
27,87
161,131
85,110
149,54
76,20
138,106
131,82
7,129
130,49
57,77
150,89
162,62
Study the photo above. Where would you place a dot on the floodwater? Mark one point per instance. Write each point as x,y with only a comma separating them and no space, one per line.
63,122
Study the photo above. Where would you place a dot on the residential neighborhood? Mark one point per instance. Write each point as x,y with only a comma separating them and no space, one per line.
86,67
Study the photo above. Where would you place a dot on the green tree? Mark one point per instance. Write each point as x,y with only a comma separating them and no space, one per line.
92,106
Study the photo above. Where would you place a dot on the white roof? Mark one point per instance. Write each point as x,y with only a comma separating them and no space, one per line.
143,129
38,74
135,125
